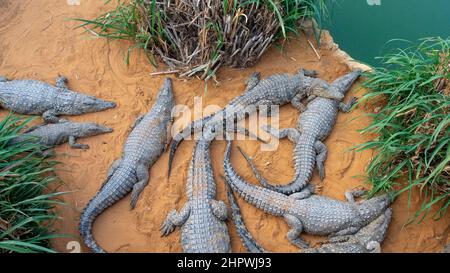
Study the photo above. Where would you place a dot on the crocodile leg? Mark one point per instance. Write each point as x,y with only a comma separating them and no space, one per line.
347,231
61,82
338,239
142,177
49,116
253,81
114,167
293,234
345,107
374,247
219,209
351,195
321,151
303,194
297,102
174,219
136,122
73,143
111,171
309,73
310,98
291,133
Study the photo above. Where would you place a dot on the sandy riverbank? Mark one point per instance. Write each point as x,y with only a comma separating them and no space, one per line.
38,42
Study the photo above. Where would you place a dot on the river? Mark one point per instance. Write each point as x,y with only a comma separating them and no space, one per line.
363,28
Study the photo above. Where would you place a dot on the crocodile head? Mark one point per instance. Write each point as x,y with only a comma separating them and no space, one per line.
343,83
306,81
165,101
88,104
376,230
92,129
166,90
323,89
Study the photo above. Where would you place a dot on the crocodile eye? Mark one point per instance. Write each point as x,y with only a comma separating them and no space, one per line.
213,130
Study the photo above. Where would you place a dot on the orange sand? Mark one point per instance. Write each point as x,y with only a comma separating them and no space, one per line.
38,42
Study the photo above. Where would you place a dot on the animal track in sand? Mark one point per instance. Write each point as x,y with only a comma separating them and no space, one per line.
341,157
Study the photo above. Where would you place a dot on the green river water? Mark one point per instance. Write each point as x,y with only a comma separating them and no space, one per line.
362,27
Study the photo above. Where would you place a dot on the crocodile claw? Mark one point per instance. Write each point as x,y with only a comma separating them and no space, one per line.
300,243
167,228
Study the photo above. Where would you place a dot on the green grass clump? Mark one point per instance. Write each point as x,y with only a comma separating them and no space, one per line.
197,37
26,203
412,125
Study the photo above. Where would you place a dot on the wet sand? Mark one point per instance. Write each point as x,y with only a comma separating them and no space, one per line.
37,41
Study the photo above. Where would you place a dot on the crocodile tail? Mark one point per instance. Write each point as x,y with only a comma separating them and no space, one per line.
87,219
112,190
304,166
246,237
260,197
173,148
193,127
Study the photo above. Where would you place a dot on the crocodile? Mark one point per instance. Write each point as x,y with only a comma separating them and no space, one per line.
446,249
61,132
313,126
367,240
278,89
307,212
32,97
148,139
247,239
202,219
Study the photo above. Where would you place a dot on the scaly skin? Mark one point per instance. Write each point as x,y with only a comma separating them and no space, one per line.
247,239
367,240
33,97
313,126
146,142
305,212
278,89
202,219
446,248
64,131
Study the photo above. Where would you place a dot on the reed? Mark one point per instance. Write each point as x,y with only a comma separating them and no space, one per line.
196,37
411,129
27,205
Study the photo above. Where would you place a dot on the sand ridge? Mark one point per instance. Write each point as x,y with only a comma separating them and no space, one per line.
38,42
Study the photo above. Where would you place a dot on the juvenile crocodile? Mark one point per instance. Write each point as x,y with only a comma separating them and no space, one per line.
202,219
278,89
61,132
313,126
33,97
305,212
367,240
146,142
247,239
